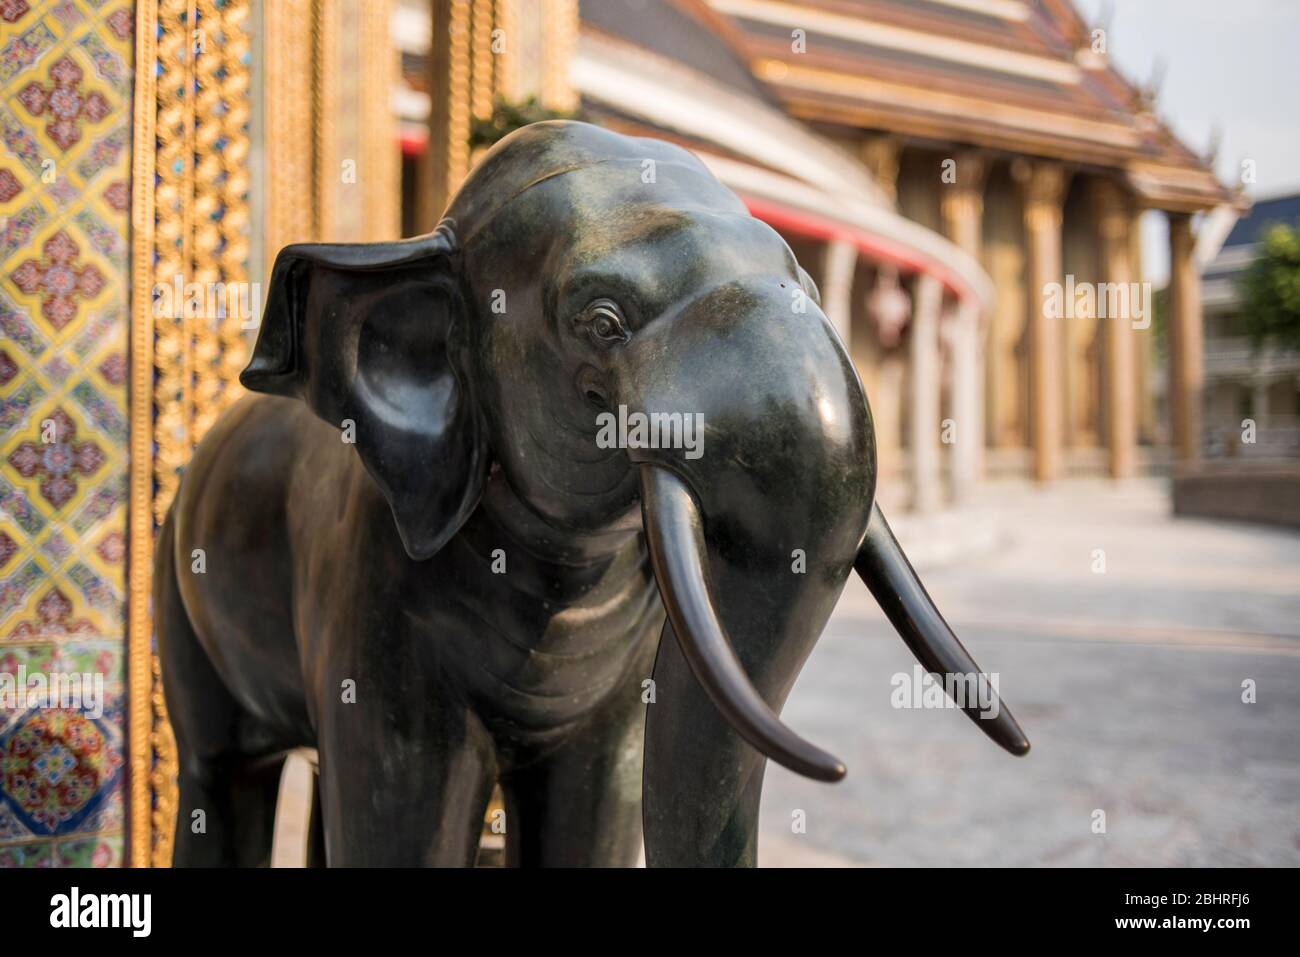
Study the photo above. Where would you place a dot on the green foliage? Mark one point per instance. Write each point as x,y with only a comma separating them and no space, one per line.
508,117
1270,291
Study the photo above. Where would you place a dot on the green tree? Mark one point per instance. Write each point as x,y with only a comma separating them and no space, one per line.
1270,291
508,117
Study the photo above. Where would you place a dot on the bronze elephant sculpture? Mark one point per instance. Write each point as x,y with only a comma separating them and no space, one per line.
421,558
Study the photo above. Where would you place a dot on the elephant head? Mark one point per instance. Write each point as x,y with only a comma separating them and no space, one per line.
583,279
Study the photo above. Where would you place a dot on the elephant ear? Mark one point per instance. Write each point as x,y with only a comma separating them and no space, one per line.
369,333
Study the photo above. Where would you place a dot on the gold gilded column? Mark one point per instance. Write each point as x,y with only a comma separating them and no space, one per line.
381,155
1186,342
482,52
193,165
559,44
356,163
961,207
882,155
446,161
961,203
289,106
923,421
1043,185
191,230
140,474
1114,211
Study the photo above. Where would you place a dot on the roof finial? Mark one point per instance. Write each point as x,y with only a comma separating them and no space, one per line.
1151,89
1216,142
1105,15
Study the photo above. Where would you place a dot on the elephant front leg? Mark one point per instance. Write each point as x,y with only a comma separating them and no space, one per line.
580,806
404,785
703,784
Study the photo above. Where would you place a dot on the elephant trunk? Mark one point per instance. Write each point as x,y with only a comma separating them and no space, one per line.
713,720
676,541
751,541
752,536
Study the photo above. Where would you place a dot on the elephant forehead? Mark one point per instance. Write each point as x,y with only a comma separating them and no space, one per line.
543,150
604,186
682,220
664,234
604,193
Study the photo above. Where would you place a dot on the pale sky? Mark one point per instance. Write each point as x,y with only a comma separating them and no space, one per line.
1230,63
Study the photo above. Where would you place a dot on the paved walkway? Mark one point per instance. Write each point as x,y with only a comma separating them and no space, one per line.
1128,683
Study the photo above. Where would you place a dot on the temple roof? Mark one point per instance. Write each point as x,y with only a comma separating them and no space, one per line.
787,173
1019,76
689,33
1265,213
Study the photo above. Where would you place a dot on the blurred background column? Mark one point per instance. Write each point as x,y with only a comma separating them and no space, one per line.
328,131
483,54
1114,215
967,375
881,155
446,160
961,206
1043,184
923,417
836,288
1185,331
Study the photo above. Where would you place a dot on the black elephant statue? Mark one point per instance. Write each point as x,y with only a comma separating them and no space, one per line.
559,496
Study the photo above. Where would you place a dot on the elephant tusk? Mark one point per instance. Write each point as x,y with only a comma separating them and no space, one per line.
896,587
677,555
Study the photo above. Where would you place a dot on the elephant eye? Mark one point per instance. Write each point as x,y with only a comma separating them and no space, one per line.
605,322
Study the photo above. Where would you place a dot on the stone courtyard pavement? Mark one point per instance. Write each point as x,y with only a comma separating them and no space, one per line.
1127,682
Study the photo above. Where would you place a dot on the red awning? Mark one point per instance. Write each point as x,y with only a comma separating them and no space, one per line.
873,247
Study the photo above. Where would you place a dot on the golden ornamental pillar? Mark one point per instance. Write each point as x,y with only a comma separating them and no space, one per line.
483,53
257,123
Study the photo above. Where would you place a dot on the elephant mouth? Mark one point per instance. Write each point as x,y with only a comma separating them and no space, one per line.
675,535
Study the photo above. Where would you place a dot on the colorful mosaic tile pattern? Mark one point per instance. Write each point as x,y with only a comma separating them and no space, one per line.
65,126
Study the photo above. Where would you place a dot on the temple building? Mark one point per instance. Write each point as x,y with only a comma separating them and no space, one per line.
1243,382
1004,127
964,181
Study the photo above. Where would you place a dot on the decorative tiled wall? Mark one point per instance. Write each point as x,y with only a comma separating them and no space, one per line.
65,127
85,474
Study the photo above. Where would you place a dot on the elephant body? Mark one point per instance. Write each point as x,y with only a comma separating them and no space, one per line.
420,552
501,669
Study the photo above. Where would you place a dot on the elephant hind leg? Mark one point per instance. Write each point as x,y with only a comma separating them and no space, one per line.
226,802
226,813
